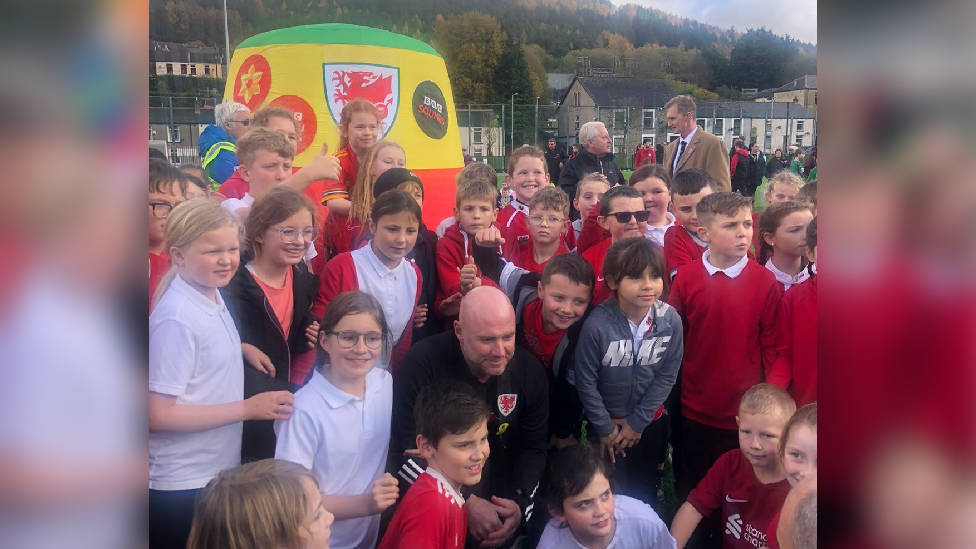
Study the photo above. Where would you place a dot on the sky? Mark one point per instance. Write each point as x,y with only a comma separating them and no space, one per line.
798,18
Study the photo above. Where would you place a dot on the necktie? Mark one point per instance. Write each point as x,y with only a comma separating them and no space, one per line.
681,151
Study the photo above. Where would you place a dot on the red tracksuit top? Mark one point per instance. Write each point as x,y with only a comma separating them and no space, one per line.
795,368
452,252
512,222
730,337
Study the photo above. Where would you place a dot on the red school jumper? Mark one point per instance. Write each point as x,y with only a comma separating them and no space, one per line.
431,516
595,256
338,225
342,275
795,368
681,248
747,505
730,337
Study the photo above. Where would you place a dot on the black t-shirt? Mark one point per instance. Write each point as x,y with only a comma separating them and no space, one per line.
517,429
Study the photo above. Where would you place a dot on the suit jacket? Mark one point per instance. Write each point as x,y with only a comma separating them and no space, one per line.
706,152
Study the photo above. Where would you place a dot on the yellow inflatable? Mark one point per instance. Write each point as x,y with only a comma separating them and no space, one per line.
316,69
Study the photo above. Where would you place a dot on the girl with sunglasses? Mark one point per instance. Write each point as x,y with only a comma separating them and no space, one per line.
340,428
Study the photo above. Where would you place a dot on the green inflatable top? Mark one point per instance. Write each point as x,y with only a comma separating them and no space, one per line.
337,33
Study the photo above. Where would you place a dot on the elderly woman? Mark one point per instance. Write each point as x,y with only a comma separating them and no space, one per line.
594,156
217,141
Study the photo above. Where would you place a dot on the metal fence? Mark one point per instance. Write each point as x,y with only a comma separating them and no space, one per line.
489,132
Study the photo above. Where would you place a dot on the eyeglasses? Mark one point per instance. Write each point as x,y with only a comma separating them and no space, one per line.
290,235
245,122
550,220
624,217
348,339
160,209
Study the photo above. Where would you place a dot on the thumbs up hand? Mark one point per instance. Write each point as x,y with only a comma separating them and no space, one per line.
323,166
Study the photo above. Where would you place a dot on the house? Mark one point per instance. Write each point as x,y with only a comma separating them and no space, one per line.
631,109
772,125
802,91
185,60
559,82
481,132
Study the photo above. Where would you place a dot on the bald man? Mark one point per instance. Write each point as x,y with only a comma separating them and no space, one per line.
797,527
481,351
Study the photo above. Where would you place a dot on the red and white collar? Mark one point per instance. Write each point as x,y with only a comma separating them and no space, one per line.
444,487
731,272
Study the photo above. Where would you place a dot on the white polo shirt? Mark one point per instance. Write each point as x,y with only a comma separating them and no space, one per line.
637,526
395,289
344,441
731,272
784,278
194,355
656,234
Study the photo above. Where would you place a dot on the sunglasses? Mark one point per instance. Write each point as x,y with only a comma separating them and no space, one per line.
624,217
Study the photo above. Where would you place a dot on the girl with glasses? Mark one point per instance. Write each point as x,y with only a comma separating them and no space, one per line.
270,299
341,425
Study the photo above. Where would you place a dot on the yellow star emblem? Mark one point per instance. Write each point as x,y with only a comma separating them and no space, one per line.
250,83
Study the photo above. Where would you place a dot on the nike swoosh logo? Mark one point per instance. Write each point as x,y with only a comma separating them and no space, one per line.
730,500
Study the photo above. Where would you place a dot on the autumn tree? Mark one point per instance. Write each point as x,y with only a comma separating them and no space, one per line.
472,46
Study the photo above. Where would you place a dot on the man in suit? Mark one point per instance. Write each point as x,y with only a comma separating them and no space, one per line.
759,161
695,149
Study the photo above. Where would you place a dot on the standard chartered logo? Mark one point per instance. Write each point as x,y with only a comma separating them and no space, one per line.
734,526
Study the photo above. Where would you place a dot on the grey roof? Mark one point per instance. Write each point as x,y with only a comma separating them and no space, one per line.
808,82
750,109
559,81
172,52
617,91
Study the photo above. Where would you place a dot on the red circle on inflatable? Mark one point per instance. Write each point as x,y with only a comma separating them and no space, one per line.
253,81
303,114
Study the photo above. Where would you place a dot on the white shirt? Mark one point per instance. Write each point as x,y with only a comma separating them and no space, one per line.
234,204
194,355
637,331
785,279
395,289
444,225
656,234
687,140
638,527
731,272
344,441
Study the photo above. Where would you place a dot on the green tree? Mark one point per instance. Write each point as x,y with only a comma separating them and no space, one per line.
513,76
471,45
758,58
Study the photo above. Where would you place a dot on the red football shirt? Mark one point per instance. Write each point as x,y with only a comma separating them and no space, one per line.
431,516
340,232
747,505
595,255
535,339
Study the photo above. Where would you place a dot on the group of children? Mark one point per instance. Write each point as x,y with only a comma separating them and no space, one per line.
277,324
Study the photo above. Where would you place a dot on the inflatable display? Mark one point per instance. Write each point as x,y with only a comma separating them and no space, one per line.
316,69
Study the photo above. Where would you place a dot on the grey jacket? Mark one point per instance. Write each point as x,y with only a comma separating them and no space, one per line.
613,380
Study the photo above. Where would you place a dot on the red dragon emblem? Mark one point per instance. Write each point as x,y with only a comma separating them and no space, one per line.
375,88
506,403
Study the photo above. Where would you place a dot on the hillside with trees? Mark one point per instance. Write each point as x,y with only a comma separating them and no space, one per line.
497,48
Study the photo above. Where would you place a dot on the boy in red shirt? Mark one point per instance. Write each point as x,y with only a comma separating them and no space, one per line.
795,368
682,244
475,210
527,175
452,435
622,213
166,191
748,484
729,306
548,217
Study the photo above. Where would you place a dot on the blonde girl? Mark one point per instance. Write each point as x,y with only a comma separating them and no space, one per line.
264,504
196,378
380,158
